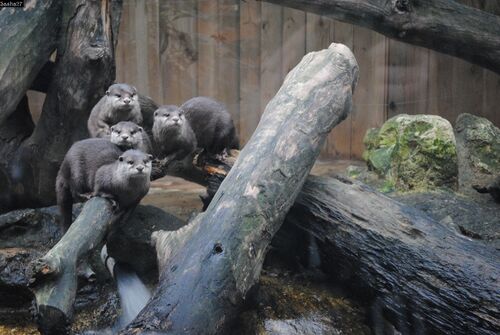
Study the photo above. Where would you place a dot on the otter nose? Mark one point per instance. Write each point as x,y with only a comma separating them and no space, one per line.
126,101
124,137
140,168
175,119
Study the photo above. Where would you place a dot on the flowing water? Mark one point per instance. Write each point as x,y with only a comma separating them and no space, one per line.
133,294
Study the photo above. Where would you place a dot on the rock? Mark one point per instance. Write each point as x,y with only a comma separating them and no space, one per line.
413,152
130,243
459,213
291,305
478,146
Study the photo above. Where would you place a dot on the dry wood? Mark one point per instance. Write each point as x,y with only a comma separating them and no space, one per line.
442,25
208,266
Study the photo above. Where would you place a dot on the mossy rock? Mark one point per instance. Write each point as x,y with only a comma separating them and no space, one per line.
478,143
413,152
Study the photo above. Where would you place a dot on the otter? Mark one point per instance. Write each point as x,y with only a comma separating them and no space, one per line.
128,135
212,124
120,103
96,166
172,134
492,188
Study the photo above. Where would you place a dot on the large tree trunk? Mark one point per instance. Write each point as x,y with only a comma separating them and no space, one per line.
442,25
84,68
208,266
423,276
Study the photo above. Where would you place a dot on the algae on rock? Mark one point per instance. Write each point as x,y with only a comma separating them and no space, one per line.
413,152
478,144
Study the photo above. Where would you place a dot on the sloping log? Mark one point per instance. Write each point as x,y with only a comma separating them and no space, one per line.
83,70
208,266
28,36
54,276
442,25
422,275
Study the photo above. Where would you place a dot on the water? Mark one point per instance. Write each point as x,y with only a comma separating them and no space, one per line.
134,295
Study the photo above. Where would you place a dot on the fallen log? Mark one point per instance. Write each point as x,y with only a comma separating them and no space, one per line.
443,25
54,276
208,266
423,276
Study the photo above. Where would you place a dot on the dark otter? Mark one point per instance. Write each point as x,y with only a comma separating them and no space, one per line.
77,177
174,139
128,135
211,123
493,189
119,104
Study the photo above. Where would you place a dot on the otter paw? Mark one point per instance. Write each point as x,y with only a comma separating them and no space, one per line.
86,196
41,268
109,197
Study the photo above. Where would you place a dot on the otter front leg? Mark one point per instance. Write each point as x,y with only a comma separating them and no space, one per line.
108,196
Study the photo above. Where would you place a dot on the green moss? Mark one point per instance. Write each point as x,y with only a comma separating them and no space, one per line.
414,153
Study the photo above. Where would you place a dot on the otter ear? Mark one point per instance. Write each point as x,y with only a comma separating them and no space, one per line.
112,128
150,157
156,113
107,92
134,89
120,158
140,129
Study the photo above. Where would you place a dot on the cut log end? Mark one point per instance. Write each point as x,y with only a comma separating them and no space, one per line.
52,320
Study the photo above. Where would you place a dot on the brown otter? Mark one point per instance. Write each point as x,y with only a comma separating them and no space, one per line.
96,166
211,123
174,139
120,103
128,135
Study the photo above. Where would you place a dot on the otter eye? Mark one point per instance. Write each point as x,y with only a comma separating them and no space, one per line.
118,132
118,95
130,162
167,115
146,161
132,132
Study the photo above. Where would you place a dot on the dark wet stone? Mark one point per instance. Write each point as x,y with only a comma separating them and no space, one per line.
474,219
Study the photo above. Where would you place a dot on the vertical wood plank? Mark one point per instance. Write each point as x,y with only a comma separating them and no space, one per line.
228,58
370,49
339,140
440,89
141,50
126,61
407,80
178,47
249,68
491,80
294,38
207,48
154,84
271,52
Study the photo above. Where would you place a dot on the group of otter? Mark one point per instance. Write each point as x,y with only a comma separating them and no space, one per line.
116,162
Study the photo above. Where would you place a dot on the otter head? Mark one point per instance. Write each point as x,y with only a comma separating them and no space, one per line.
126,135
135,164
169,116
122,96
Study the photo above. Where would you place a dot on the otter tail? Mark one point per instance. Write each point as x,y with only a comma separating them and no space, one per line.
64,198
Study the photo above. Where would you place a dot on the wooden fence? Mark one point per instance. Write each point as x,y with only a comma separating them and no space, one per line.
239,52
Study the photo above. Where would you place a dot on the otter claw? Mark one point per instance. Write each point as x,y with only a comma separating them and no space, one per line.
86,196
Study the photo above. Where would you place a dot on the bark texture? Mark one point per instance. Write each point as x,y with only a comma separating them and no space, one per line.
442,25
208,266
422,275
84,68
54,276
